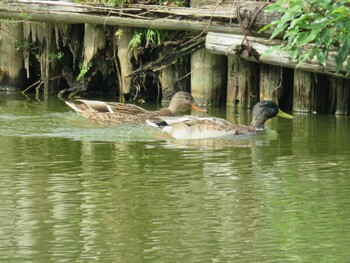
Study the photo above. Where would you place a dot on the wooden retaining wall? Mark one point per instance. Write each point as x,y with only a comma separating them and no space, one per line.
226,77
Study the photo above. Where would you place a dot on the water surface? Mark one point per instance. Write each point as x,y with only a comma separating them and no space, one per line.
73,191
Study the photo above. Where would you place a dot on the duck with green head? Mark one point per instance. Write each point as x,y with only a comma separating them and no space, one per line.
193,127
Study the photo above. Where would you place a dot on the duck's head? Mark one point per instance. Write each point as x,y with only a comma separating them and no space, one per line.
265,110
183,101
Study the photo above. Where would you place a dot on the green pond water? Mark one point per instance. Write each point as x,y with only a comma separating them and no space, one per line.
72,191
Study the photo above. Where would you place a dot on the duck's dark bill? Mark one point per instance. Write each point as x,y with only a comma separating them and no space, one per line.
284,115
197,108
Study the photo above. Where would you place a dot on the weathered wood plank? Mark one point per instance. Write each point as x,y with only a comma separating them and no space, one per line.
215,19
229,44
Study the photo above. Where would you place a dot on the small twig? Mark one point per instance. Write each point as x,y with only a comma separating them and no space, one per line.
316,8
207,26
34,84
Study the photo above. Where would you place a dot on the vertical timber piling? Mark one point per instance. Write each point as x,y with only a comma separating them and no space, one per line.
124,64
304,89
242,83
208,77
172,79
270,82
341,88
11,60
208,72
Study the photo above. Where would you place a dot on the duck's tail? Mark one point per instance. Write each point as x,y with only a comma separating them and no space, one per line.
73,106
157,124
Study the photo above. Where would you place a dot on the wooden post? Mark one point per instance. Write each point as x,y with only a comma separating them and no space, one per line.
324,98
208,77
172,79
304,88
208,72
270,82
242,83
341,87
11,59
124,64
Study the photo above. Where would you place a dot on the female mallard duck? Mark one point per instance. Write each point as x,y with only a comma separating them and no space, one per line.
192,127
116,113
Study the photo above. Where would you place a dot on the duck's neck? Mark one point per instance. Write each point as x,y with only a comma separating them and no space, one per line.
165,112
258,123
173,108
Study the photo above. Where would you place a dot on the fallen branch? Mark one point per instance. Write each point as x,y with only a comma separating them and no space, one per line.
220,19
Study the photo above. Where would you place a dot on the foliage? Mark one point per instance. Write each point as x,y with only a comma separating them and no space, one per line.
135,41
313,28
83,70
146,37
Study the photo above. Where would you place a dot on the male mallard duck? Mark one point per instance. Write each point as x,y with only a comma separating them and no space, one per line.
116,113
192,127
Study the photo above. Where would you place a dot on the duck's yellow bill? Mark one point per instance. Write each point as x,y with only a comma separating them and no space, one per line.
284,115
197,108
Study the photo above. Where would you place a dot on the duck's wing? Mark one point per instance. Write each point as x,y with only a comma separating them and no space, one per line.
75,106
193,127
125,108
194,120
115,107
95,105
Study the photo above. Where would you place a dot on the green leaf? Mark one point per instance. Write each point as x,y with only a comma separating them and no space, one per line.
275,7
347,66
307,37
296,21
278,30
267,27
294,54
342,55
322,57
338,10
291,32
328,37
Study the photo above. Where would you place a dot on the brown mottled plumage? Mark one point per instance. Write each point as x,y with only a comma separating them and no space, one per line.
117,113
193,127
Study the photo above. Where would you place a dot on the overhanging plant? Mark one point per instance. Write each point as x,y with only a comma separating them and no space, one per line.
313,28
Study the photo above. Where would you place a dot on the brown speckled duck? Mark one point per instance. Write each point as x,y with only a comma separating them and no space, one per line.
118,113
193,127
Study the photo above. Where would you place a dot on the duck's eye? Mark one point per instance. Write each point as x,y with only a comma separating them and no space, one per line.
187,98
